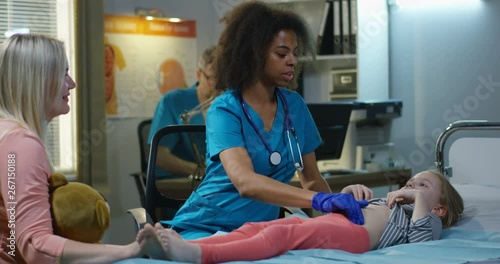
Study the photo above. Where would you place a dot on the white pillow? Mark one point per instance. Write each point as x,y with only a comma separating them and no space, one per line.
482,207
475,160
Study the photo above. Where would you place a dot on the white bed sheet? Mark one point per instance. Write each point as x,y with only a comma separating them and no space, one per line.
482,207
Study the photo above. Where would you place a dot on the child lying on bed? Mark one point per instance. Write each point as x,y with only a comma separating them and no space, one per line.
415,213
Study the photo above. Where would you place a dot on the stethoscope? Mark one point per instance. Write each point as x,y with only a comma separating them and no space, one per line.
275,156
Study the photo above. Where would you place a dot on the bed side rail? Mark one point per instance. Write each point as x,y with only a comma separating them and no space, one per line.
452,128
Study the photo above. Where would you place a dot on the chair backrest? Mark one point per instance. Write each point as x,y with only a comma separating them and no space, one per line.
143,132
154,197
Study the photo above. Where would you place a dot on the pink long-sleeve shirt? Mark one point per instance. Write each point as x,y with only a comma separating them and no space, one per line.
25,221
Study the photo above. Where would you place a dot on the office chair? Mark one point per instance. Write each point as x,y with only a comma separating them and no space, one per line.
143,133
157,203
139,177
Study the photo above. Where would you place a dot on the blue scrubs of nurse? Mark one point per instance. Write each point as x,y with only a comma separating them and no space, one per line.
258,116
217,204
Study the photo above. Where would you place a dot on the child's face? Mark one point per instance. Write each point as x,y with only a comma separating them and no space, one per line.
429,184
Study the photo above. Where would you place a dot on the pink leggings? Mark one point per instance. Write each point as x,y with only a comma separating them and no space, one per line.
262,240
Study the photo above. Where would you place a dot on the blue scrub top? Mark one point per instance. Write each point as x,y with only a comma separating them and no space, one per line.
168,112
216,205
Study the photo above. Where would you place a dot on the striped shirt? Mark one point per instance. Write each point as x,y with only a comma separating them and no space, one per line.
401,229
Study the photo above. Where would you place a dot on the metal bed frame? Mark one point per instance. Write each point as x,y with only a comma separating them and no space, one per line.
454,127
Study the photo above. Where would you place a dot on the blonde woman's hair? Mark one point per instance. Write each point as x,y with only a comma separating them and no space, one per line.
32,72
451,199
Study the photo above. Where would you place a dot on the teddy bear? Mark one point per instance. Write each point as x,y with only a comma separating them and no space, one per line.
79,212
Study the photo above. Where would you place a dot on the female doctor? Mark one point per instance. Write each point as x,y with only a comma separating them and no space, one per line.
258,132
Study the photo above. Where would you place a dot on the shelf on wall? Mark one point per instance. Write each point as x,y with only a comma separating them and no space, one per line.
337,57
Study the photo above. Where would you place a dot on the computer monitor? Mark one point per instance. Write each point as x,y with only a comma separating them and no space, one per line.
332,120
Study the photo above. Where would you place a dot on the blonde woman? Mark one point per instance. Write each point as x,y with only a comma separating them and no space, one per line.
34,88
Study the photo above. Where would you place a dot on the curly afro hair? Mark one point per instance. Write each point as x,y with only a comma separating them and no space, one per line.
244,44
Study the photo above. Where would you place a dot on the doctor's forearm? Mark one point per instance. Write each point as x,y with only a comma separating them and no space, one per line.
173,164
310,178
318,185
264,189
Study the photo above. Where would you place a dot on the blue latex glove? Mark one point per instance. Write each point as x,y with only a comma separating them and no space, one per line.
344,203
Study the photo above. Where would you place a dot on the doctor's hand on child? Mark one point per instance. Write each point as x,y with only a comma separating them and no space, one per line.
344,203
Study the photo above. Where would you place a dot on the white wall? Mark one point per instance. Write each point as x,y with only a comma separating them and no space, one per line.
373,50
445,66
122,142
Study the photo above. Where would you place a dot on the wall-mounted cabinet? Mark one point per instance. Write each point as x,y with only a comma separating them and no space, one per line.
369,58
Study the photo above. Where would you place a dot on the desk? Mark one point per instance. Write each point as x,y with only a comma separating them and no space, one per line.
370,179
182,187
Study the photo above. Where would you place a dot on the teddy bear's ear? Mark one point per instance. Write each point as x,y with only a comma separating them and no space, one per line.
56,180
103,215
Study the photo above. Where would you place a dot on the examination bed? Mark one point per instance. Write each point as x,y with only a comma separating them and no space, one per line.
472,165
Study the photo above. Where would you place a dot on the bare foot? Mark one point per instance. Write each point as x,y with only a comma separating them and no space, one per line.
178,249
159,227
149,243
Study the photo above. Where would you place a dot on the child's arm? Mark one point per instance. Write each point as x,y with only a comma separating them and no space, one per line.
359,191
424,225
410,196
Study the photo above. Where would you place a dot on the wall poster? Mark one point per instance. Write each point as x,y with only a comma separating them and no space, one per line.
144,59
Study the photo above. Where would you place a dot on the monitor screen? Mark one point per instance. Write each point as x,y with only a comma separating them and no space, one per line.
332,120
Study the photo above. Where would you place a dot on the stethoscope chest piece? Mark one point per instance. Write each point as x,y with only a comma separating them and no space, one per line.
275,158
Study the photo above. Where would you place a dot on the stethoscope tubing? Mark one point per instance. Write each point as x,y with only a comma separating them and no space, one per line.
275,156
